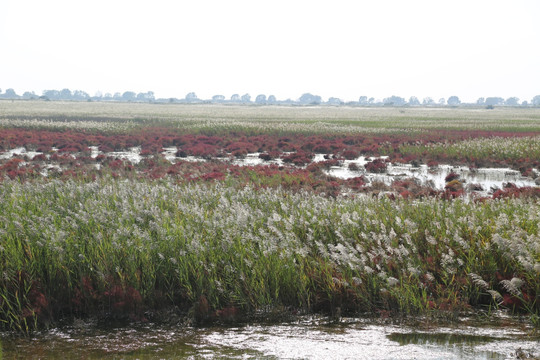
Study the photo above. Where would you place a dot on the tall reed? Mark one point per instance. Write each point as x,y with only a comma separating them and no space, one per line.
122,248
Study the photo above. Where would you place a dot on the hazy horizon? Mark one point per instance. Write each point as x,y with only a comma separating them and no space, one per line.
343,49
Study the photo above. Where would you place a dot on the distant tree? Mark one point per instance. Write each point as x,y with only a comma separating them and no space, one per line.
310,99
525,103
512,101
363,100
413,100
235,98
453,100
335,101
191,97
260,99
65,94
271,99
428,101
494,101
480,101
129,96
246,98
394,101
535,100
146,97
52,94
29,95
11,94
117,96
107,96
80,95
218,98
371,100
442,101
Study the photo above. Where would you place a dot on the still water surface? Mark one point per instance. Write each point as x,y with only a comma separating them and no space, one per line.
305,338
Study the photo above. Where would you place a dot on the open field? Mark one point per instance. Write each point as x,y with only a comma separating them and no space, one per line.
86,231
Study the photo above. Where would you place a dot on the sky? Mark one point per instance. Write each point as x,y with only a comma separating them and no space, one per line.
331,48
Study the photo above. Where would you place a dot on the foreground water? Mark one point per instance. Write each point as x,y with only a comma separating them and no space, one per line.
305,338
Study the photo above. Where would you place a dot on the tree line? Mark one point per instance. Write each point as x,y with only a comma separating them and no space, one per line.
262,99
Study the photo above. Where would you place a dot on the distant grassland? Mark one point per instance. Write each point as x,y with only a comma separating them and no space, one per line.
212,118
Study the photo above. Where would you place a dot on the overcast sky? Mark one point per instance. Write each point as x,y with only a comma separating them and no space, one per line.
286,48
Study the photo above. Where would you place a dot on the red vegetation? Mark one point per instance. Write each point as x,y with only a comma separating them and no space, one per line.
451,176
411,188
376,166
356,183
124,301
510,190
214,175
350,154
298,158
153,140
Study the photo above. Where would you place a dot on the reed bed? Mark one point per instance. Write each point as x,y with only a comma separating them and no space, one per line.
118,248
492,148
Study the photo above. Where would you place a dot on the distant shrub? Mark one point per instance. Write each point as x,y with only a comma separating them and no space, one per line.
376,166
450,177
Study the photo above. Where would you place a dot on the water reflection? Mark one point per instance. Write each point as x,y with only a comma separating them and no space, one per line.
306,338
465,345
423,338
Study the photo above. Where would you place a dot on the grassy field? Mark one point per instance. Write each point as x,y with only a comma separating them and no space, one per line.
274,119
223,244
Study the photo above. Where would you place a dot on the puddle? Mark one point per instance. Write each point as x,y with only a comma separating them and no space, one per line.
133,155
170,154
253,159
94,152
21,151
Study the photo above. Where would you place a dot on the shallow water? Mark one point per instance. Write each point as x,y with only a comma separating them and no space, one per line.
306,338
489,179
21,151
